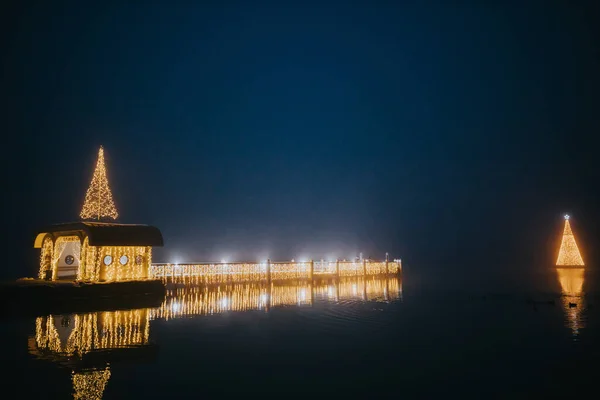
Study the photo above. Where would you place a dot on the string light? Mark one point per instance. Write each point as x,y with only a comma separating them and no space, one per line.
87,269
118,270
45,258
568,255
128,262
99,202
245,272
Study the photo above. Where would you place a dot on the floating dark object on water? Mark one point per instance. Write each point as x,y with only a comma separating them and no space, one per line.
535,302
572,305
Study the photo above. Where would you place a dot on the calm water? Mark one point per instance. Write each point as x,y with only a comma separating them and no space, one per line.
415,337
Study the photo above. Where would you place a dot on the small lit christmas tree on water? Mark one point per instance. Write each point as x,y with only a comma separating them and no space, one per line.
568,255
99,204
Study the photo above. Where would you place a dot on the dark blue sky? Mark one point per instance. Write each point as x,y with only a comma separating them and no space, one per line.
445,135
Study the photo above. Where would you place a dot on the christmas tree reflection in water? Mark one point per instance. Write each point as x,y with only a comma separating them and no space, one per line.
571,282
90,384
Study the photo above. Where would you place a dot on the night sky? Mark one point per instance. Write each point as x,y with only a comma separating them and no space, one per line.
448,136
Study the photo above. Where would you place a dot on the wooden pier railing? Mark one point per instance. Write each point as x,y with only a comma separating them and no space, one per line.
273,271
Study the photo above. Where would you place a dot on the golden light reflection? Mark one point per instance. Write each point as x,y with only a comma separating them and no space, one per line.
89,385
69,339
571,283
78,334
84,342
191,300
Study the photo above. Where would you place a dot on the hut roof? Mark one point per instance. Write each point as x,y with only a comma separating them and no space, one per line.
105,234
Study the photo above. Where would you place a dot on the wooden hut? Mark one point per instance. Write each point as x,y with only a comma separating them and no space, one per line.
96,251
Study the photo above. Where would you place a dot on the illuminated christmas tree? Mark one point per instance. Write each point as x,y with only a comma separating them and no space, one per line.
568,254
99,203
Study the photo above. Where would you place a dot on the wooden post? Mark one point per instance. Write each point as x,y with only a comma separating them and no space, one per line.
387,269
337,268
269,271
365,268
312,269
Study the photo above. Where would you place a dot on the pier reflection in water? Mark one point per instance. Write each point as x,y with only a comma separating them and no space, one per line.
573,301
184,299
88,344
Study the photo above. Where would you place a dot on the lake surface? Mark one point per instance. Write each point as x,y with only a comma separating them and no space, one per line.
517,333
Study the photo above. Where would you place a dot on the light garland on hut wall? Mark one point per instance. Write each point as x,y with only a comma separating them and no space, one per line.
99,202
124,262
86,268
45,257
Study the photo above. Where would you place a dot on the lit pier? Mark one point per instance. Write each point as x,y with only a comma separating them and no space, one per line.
273,271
